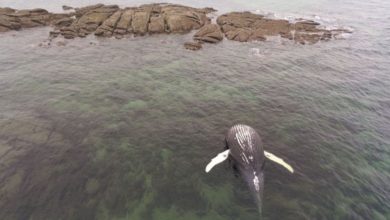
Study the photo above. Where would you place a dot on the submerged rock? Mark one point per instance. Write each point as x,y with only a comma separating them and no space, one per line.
193,45
61,43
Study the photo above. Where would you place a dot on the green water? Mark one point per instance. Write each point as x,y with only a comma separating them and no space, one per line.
123,129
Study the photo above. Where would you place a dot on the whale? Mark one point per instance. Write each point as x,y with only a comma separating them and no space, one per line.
244,149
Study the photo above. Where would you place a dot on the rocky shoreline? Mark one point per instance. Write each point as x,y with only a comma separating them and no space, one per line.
113,21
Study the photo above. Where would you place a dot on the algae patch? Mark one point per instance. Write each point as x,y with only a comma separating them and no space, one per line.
92,186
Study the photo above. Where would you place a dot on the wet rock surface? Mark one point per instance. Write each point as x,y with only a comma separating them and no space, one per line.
11,19
246,26
210,33
89,22
112,21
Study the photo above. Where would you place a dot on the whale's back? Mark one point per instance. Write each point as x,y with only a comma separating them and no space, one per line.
246,147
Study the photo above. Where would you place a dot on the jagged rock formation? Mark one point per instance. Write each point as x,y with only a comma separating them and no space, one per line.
210,33
246,26
11,19
112,21
88,20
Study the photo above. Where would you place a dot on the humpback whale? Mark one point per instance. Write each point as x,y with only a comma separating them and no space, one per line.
245,150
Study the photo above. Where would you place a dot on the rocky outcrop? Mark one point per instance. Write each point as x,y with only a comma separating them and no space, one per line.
246,26
156,24
83,10
123,25
11,19
140,21
210,33
181,19
108,26
112,21
89,22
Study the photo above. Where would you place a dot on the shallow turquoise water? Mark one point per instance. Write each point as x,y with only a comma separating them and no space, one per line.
122,129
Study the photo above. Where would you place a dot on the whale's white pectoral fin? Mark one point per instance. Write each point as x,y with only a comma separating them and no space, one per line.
217,160
278,160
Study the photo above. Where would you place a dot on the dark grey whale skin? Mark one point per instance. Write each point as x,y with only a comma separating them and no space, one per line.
247,156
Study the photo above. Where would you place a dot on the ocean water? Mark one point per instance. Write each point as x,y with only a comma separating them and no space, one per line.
123,129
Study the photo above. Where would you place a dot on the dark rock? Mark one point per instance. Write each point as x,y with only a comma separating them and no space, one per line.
192,45
66,8
209,33
45,44
54,34
68,32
